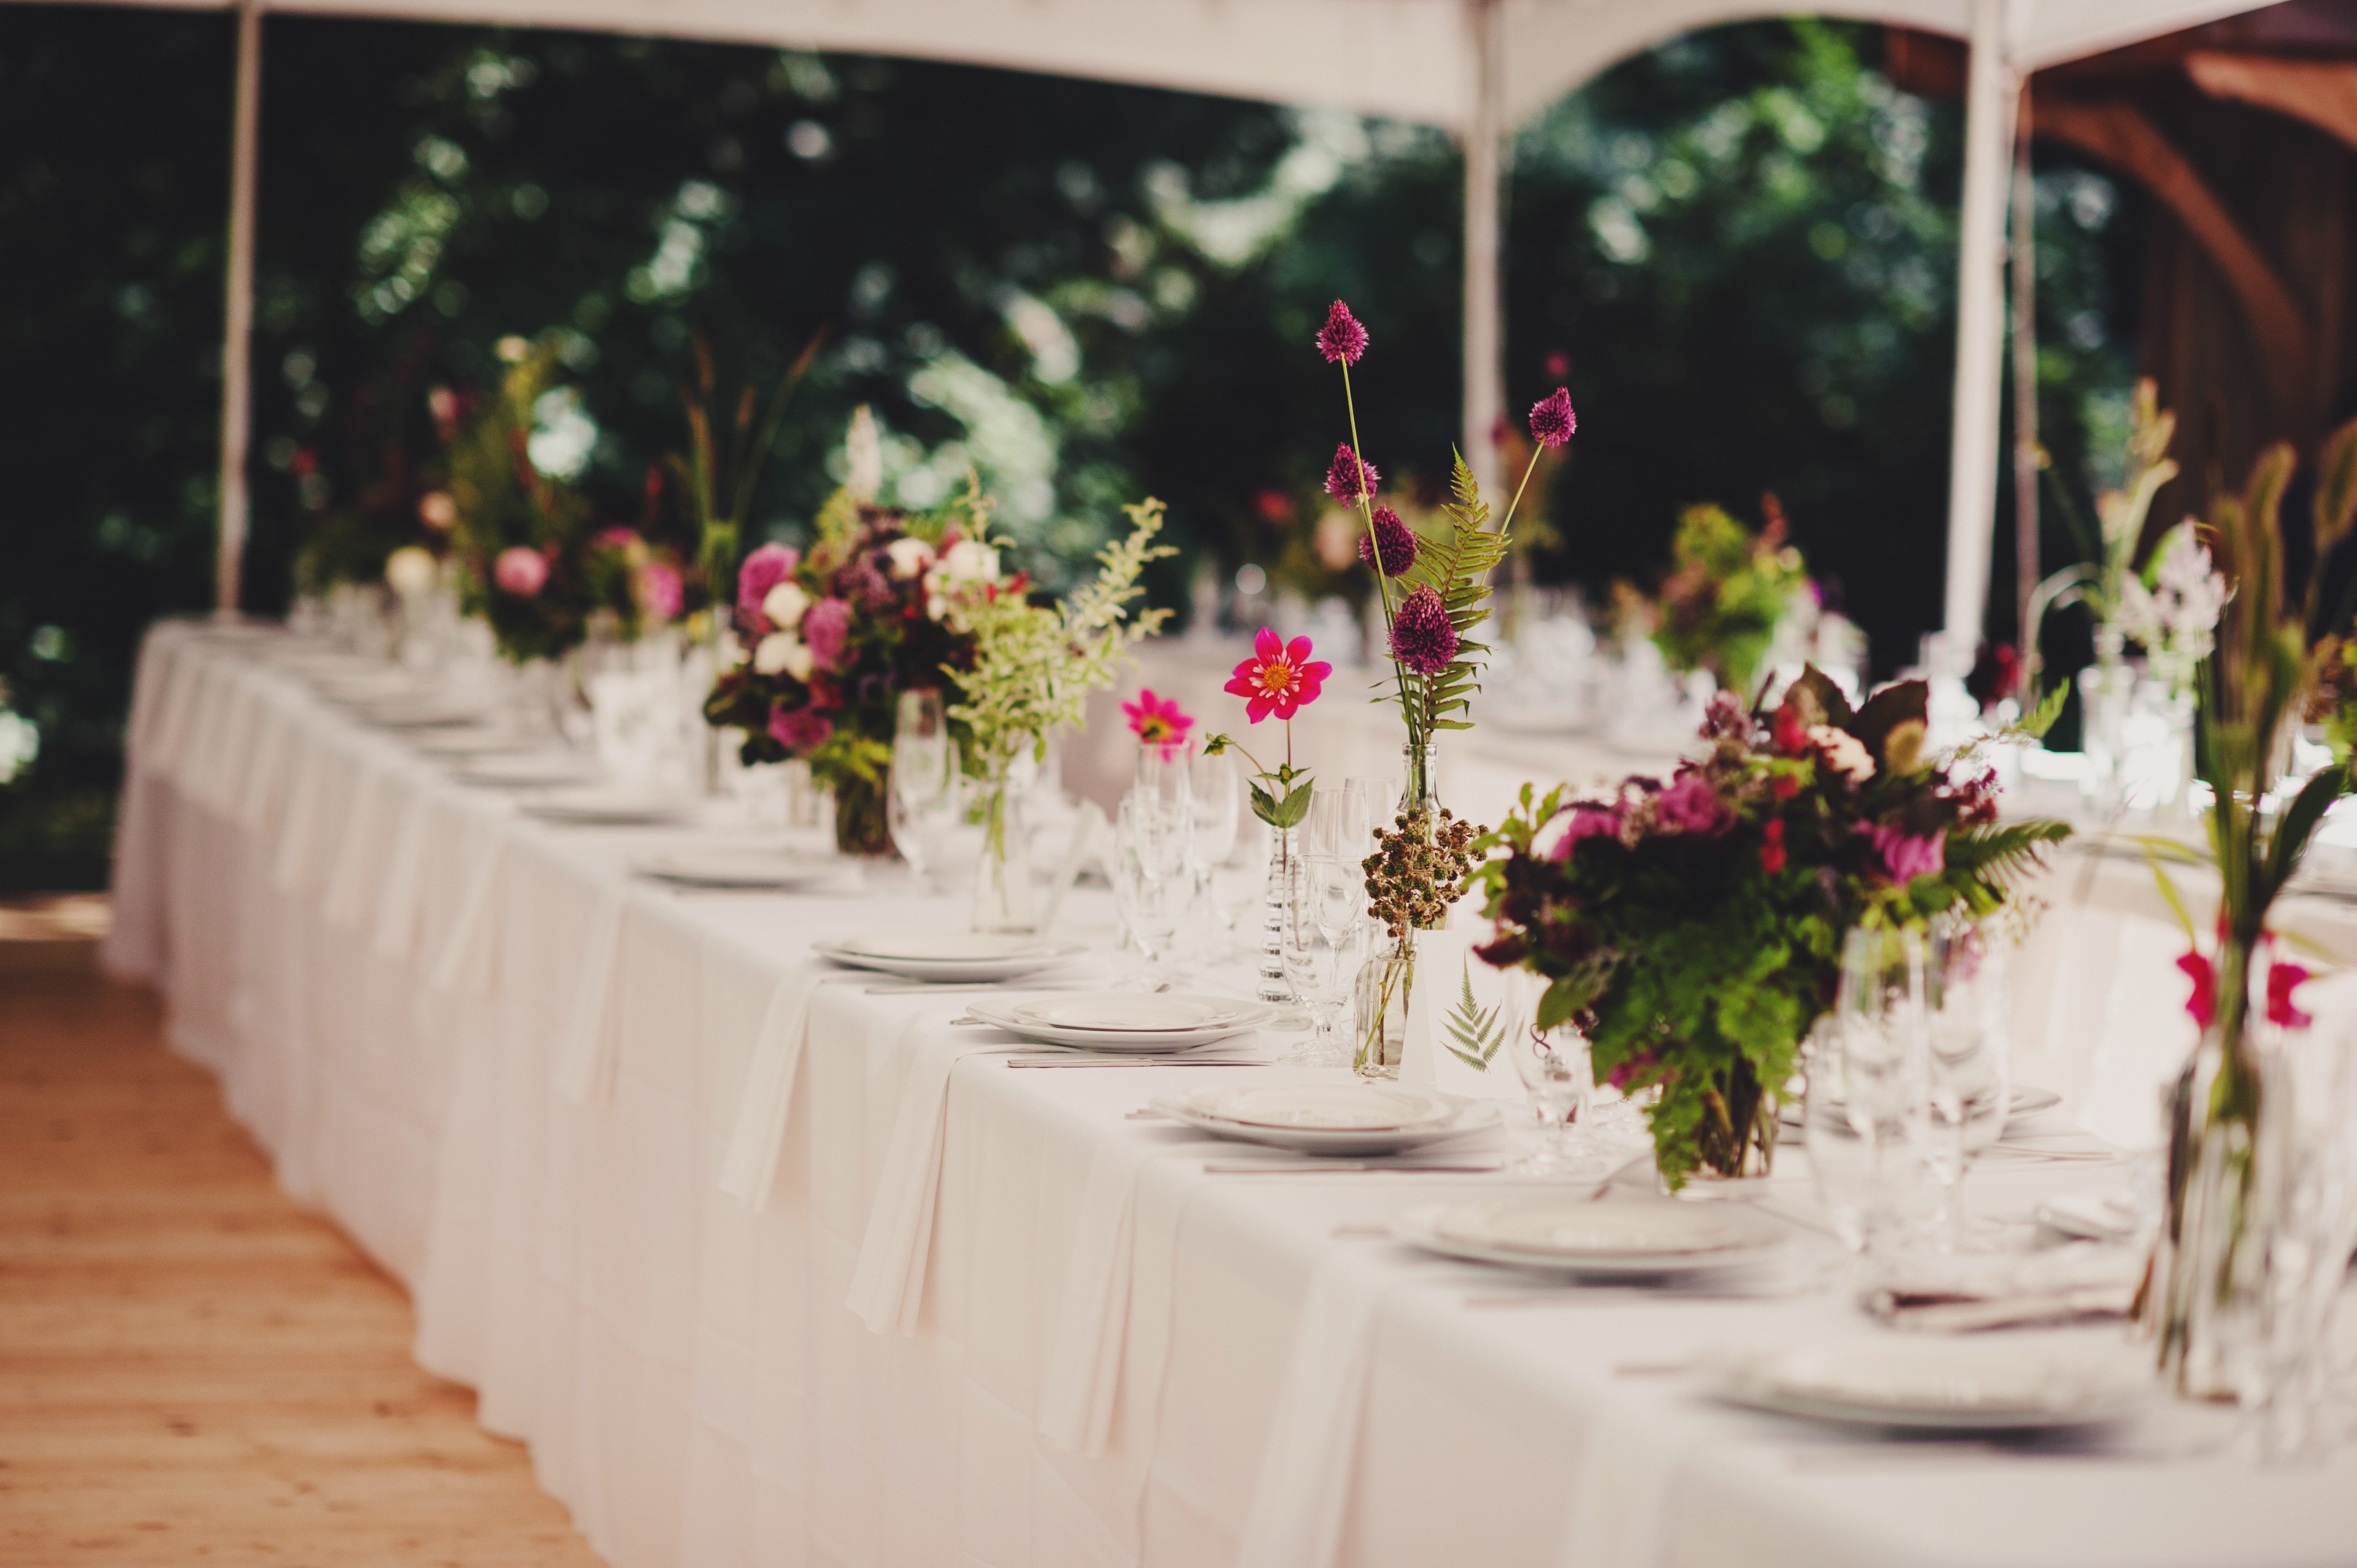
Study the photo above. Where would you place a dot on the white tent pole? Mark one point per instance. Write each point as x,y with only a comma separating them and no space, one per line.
1485,350
237,333
1989,96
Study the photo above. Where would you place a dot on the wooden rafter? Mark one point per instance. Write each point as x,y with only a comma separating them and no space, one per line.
2321,91
2119,135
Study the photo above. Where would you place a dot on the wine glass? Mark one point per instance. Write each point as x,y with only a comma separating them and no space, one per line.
1559,1077
1322,932
1213,793
1148,873
1961,1087
923,801
1867,1172
1237,877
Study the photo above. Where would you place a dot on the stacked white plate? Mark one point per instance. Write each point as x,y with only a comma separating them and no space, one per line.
739,867
384,683
1977,1383
528,770
1329,1118
1588,1236
960,956
607,805
1135,1023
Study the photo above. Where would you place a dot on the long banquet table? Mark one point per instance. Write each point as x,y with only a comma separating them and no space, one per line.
966,1315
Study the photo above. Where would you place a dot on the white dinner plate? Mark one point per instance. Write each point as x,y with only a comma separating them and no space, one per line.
1970,1383
751,868
384,684
607,805
1180,1024
1210,1110
2106,1216
962,956
1336,1108
528,770
1582,1234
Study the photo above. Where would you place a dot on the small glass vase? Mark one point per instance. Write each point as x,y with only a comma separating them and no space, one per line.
1280,903
2204,1297
2106,692
1737,1143
1417,796
863,818
1002,876
1378,1009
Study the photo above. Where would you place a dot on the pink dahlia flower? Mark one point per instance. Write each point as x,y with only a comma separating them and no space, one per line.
1690,806
1279,678
1158,721
825,625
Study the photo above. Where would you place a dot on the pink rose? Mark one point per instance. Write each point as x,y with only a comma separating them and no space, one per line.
521,571
660,593
824,625
1906,856
1585,821
763,570
800,731
1690,805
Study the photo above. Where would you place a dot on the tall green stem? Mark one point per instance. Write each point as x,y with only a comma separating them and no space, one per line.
1383,578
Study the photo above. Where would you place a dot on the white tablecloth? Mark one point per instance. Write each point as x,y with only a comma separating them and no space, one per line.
1116,1357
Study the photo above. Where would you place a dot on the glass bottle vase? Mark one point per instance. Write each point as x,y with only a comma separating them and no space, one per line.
1280,904
1378,1009
863,822
1002,875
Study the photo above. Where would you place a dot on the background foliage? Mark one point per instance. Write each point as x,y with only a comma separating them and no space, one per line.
1091,292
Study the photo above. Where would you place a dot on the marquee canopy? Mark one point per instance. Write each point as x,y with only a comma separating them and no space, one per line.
1476,66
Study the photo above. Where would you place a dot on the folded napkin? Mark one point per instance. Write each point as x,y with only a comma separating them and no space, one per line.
1969,1291
888,1289
586,1050
1120,1235
750,1169
1305,1469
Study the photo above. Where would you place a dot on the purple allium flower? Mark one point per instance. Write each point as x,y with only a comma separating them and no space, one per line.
800,731
1906,856
764,569
1423,638
1690,806
824,625
1390,546
1350,478
1342,339
1552,420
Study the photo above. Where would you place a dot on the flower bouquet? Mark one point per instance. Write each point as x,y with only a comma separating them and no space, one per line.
833,637
1693,928
1728,590
1032,669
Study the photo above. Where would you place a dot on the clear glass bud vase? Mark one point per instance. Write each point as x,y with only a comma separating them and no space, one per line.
1002,877
1280,903
1378,1009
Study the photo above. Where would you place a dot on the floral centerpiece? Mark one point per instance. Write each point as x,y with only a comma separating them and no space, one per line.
832,637
2207,1283
1032,670
533,560
1693,927
1728,590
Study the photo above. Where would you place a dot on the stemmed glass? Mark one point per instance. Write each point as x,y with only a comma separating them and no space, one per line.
1214,792
1961,1091
1556,1073
1322,935
1150,877
1237,878
923,804
1860,1086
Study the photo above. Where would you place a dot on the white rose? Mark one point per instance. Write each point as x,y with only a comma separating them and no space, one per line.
1842,752
410,571
783,653
936,606
909,558
783,605
969,561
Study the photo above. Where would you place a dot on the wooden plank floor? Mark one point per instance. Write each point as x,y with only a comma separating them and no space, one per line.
192,1370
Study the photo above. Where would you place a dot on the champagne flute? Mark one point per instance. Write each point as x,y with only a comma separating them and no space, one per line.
1961,1089
924,776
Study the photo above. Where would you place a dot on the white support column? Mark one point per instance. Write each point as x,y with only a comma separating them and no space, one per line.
1485,347
1989,95
237,335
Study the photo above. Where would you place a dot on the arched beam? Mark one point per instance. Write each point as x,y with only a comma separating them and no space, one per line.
2322,93
2119,135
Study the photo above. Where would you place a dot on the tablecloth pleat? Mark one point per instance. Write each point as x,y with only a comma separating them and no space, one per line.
586,1050
750,1169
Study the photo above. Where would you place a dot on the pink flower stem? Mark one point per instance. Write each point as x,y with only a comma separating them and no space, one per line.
1382,577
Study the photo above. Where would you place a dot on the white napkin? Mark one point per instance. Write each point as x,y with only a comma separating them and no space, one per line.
1305,1470
470,955
750,1169
888,1289
585,1052
1621,1497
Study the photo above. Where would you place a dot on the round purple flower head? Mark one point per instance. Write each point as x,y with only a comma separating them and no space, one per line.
1342,339
1390,546
1552,420
1350,478
1421,636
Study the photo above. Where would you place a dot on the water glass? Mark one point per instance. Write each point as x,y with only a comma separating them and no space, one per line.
1859,1062
1324,931
1557,1075
1215,794
924,803
1961,1087
1149,878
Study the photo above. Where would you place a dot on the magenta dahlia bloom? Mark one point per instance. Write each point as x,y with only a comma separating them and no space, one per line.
1350,478
1342,339
824,625
1279,678
1552,420
1423,636
800,731
764,569
1390,545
